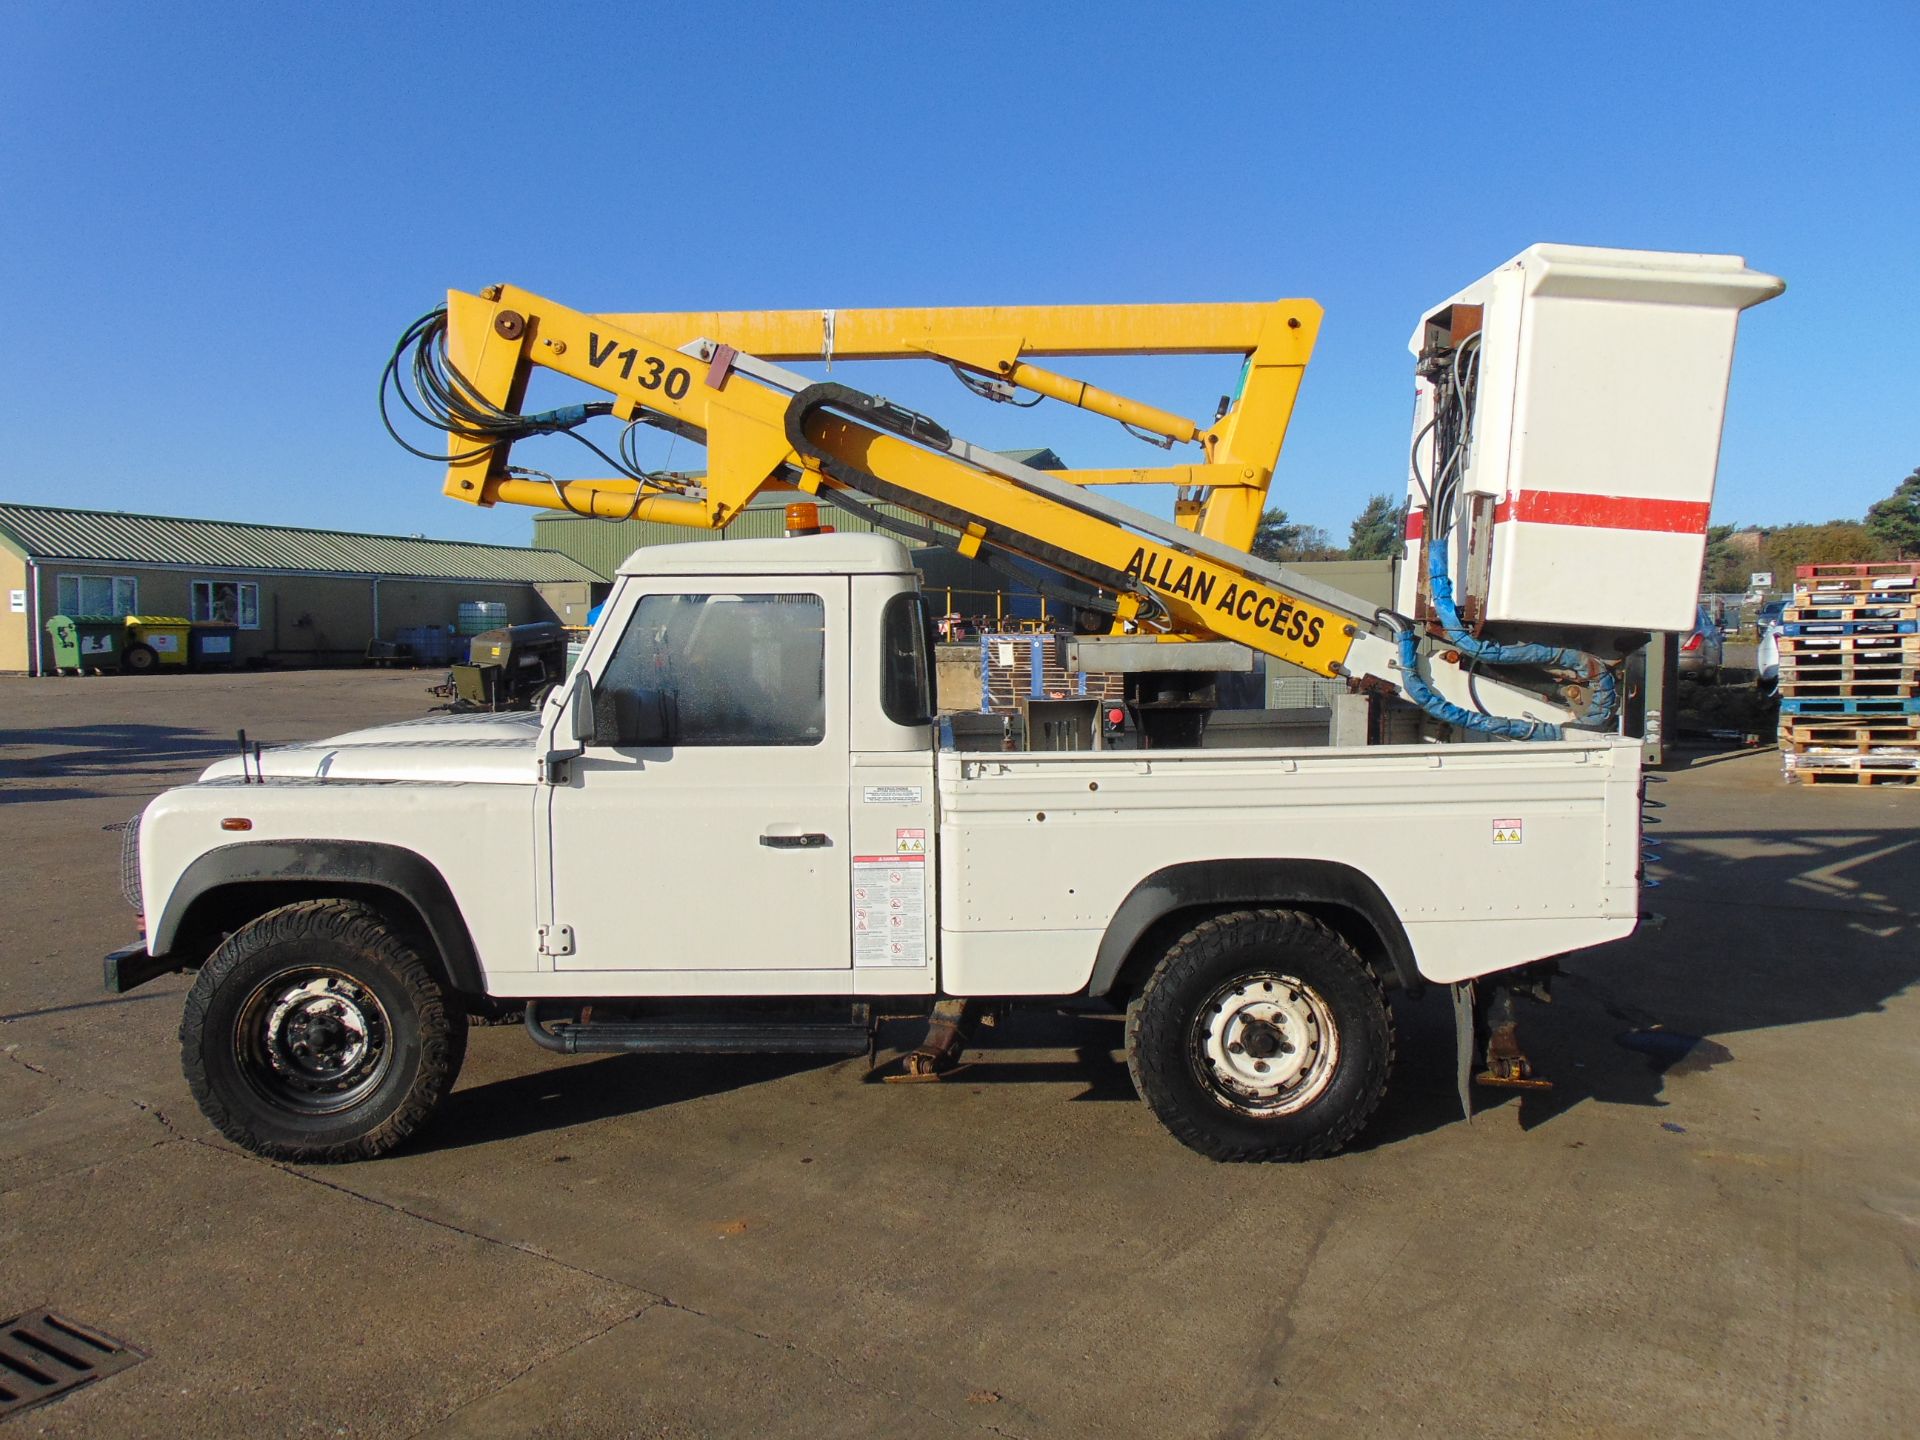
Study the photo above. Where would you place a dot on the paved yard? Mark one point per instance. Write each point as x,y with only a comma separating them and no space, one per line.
1711,1237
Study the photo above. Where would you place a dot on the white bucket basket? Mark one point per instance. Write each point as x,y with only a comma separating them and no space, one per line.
1601,390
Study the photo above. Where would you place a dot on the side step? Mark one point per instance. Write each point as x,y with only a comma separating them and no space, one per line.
851,1036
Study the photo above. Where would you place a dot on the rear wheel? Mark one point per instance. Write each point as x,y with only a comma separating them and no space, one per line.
319,1033
1261,1035
140,659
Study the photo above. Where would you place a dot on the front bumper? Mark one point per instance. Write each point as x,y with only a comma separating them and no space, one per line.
131,966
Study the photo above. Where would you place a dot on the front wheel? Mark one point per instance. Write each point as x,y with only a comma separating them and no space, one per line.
318,1033
1261,1035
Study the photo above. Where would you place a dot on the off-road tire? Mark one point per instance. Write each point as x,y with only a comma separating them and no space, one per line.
423,1037
1166,1036
139,660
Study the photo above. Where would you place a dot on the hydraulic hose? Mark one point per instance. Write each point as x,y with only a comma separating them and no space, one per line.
1445,711
1603,680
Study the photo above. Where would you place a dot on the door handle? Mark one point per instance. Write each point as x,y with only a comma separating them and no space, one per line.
806,840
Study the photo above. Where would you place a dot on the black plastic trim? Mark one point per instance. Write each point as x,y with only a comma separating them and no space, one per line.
131,966
1207,883
700,1037
393,868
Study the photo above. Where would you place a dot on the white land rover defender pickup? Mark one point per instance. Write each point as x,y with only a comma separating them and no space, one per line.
735,829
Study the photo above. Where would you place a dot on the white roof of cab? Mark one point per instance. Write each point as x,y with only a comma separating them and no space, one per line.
800,555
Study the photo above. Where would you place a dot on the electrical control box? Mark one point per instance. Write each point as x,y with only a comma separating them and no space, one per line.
1567,424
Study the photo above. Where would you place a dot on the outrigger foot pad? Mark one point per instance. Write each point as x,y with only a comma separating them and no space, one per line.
937,1056
1507,1065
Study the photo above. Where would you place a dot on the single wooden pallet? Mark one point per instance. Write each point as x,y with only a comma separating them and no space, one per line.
1857,760
1797,629
1854,777
1874,649
1864,687
1828,753
1841,584
1882,731
1831,599
1856,570
1841,609
1824,705
1867,665
1848,690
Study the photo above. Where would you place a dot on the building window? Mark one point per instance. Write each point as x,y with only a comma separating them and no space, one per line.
114,595
230,602
717,670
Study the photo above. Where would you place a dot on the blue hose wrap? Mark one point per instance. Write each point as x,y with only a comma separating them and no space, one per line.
1444,710
1605,685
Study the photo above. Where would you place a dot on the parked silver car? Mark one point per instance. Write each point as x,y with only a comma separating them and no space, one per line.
1703,650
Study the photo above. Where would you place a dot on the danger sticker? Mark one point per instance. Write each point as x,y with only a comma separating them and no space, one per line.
910,842
889,910
1506,832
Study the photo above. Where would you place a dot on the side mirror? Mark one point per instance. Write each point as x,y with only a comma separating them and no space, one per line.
580,718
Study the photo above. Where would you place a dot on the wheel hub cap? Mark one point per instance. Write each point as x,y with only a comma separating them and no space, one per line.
313,1041
1265,1044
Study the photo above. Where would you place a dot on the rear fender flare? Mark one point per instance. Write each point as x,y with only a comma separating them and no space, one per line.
1224,884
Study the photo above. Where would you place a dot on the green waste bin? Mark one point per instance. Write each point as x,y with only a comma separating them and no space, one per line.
155,641
83,643
210,646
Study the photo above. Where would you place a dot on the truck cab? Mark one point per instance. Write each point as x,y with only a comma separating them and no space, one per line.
761,738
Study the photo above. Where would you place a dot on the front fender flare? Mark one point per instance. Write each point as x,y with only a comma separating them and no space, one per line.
362,863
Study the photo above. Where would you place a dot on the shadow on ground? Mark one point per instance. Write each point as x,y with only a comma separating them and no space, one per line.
120,751
1733,956
563,1094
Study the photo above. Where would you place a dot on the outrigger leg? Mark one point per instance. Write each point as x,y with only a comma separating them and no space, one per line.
1487,1028
1507,1063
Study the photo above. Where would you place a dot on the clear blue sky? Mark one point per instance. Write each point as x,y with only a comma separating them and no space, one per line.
218,217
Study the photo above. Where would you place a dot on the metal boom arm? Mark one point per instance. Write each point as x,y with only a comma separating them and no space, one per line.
766,428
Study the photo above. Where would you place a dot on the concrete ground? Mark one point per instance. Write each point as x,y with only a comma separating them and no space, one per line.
1696,1236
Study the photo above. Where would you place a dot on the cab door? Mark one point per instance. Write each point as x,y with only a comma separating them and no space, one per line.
705,827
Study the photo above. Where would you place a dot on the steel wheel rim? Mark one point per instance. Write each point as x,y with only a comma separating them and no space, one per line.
1264,1044
313,1040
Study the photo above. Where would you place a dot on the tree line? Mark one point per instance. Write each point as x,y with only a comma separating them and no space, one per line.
1890,531
1378,532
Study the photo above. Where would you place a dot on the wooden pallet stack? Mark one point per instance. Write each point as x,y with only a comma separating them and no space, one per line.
1008,666
1850,675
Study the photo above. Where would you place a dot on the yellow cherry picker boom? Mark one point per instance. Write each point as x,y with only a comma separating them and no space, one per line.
1511,657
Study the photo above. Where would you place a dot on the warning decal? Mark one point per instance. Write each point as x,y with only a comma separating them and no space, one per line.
889,910
1506,832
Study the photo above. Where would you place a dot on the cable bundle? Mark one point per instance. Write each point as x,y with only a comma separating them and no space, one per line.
442,398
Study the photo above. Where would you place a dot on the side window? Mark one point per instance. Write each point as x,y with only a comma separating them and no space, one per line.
233,602
113,595
906,679
717,670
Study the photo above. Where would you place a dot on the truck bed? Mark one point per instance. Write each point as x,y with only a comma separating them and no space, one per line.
1491,855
